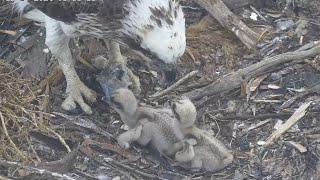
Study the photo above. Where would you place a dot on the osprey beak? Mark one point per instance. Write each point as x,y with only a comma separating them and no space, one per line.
168,71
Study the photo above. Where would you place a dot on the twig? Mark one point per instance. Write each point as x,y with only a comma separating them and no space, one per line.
4,178
263,116
21,23
84,122
25,46
86,149
9,139
34,170
254,126
12,33
151,176
116,168
14,39
297,115
63,142
235,79
313,89
175,85
174,174
231,22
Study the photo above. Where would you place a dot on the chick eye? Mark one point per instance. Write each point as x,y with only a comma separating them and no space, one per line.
174,106
118,105
174,109
115,103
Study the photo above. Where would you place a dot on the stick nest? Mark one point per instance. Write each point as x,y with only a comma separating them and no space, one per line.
21,111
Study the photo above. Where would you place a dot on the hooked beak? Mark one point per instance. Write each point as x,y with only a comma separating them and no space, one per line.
168,72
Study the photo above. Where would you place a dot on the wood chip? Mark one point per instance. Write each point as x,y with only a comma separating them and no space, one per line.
297,115
175,85
298,146
254,84
254,126
12,33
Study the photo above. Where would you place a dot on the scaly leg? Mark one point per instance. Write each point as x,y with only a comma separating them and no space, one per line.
58,43
115,58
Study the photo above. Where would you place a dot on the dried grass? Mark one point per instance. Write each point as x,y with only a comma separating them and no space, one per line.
20,113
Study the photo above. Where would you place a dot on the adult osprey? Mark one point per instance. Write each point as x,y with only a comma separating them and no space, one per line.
155,28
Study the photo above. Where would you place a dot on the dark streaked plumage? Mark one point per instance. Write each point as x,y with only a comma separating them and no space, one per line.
153,28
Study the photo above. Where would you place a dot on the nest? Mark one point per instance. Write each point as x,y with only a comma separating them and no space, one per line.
22,110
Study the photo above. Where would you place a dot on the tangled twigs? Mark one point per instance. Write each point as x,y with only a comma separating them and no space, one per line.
132,169
20,113
226,18
235,79
175,85
9,139
34,170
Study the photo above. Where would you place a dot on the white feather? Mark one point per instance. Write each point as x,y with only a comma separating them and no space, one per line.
19,6
35,14
168,42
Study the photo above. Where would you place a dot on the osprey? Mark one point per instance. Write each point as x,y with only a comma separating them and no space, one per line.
153,28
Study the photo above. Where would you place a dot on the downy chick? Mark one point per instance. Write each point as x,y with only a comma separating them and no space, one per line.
147,125
185,112
210,154
200,149
125,104
163,132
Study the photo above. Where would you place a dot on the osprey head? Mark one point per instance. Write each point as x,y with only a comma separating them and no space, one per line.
156,29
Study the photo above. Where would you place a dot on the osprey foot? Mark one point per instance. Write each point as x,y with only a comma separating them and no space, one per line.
75,92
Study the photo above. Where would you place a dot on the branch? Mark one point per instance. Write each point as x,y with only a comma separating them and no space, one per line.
34,170
235,79
227,19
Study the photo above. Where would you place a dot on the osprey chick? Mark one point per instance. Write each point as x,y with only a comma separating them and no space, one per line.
153,28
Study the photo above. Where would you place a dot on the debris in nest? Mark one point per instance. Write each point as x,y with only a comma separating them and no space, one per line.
175,85
12,33
20,113
299,113
85,148
234,79
86,123
313,89
254,126
243,96
298,146
32,169
284,24
220,11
